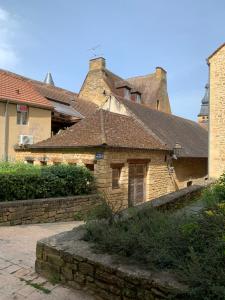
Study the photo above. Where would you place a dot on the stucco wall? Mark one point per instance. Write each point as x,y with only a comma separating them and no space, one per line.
217,114
2,112
39,125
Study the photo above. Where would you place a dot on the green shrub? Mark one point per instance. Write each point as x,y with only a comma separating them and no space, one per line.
192,246
7,167
18,182
99,212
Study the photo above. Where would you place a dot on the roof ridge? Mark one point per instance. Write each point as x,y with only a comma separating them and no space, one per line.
27,79
141,76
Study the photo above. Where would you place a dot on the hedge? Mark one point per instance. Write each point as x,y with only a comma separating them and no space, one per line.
45,182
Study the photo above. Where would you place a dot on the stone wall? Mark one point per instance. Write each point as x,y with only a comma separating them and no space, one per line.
217,113
94,87
45,210
194,170
67,258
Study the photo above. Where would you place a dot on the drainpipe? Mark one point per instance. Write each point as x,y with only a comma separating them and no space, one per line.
6,131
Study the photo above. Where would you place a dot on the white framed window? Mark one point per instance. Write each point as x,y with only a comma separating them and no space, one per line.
22,114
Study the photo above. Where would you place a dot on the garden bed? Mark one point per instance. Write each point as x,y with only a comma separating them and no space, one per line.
188,244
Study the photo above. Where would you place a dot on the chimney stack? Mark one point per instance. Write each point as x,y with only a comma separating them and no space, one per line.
160,73
97,64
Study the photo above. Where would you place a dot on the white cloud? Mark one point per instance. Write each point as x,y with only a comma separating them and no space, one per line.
8,30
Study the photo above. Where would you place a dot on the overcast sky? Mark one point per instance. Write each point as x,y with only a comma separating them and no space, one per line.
134,36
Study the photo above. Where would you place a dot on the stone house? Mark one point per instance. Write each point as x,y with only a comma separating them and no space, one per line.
149,90
136,153
121,129
216,62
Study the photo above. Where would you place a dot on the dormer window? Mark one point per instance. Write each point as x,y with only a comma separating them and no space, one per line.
138,98
124,90
126,93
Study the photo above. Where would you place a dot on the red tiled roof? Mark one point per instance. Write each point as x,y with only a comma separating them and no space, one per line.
104,128
16,89
54,92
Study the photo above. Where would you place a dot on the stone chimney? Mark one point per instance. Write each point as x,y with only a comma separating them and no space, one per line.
160,73
97,64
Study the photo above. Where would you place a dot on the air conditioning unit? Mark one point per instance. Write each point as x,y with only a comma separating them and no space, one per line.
26,139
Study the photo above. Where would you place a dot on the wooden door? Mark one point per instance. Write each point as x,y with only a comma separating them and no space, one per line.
136,183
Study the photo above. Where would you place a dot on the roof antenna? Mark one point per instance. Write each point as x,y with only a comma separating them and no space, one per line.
48,79
95,53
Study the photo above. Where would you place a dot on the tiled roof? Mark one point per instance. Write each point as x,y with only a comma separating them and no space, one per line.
84,107
171,129
45,92
16,89
54,93
149,86
104,128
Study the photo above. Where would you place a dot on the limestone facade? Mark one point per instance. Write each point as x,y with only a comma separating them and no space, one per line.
161,177
217,113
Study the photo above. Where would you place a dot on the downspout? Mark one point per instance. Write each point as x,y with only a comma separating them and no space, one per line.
6,131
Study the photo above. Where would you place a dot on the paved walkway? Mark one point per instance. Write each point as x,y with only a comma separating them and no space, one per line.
18,279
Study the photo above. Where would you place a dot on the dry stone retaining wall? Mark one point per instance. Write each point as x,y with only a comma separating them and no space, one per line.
67,258
45,210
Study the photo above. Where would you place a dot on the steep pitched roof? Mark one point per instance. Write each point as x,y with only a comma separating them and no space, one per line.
104,128
149,86
171,129
15,88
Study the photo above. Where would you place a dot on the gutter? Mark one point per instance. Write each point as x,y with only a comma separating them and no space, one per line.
5,132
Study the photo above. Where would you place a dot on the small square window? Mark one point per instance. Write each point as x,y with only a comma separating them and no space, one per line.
30,161
116,178
90,167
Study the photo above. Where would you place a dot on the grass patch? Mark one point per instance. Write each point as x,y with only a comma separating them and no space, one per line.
37,286
190,245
